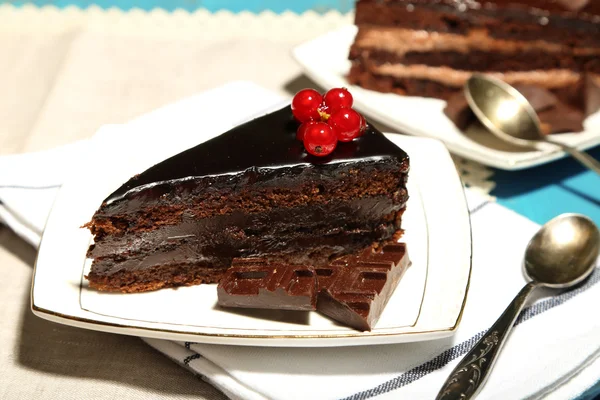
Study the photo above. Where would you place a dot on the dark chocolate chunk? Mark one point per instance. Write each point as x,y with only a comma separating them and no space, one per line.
540,99
355,289
592,94
561,119
256,283
459,112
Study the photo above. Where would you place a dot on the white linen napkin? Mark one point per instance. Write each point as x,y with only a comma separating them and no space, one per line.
552,352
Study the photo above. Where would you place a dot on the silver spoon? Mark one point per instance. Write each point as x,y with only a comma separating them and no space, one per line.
560,255
508,115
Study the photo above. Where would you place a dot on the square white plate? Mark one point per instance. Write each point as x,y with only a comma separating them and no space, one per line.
325,60
427,304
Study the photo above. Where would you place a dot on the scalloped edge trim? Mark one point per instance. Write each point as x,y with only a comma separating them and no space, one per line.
53,10
180,22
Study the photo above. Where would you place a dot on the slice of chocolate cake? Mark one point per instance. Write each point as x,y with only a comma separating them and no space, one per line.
430,48
251,192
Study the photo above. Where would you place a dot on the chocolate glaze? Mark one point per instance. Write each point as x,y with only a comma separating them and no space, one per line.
263,151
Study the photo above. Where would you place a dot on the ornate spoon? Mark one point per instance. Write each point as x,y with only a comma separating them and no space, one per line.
560,255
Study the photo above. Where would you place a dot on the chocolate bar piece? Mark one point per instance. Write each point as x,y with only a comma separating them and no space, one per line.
540,99
256,283
560,119
354,290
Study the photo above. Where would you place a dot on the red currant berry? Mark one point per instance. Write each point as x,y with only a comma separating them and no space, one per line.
337,98
347,123
320,139
302,129
305,105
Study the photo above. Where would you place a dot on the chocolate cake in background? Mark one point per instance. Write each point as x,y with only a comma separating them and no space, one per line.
429,48
251,192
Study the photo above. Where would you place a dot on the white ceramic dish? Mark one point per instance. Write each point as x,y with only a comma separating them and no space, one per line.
325,60
427,304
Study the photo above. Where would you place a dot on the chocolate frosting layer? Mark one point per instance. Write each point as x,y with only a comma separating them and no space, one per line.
482,60
264,151
260,228
524,20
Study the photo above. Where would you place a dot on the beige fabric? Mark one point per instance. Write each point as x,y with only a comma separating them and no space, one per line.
62,75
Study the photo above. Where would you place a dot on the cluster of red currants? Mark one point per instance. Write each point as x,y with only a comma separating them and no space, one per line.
326,119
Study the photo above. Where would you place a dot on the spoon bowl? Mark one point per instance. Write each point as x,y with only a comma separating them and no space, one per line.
563,252
505,112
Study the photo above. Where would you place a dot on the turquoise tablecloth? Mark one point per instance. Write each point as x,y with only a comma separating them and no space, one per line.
543,192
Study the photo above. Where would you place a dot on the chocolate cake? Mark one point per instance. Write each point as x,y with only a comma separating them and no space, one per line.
430,48
253,191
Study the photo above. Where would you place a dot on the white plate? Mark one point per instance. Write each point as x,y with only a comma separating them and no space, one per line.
325,60
427,304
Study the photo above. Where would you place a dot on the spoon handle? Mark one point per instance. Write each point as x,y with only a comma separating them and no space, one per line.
580,156
471,372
